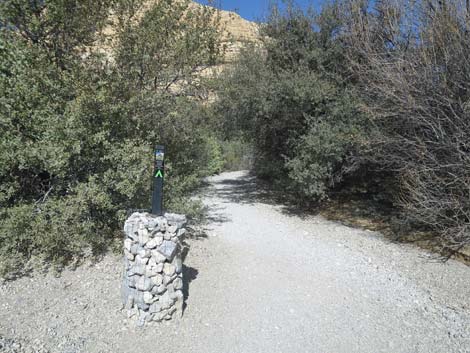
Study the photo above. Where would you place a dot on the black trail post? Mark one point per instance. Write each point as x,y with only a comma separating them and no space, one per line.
157,197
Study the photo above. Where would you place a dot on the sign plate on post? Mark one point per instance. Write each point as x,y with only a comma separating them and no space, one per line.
157,197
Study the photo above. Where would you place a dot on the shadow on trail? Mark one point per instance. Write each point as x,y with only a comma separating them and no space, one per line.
189,274
215,215
248,189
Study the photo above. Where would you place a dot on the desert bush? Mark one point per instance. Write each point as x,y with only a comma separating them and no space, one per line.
78,125
237,154
411,61
289,99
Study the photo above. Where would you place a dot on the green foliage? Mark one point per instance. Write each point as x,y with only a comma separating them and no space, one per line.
322,153
77,130
62,27
214,156
171,43
237,154
288,99
375,89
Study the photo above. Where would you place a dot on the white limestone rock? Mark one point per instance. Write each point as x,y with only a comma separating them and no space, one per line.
157,279
169,269
129,255
155,308
143,284
153,243
178,283
178,263
144,253
168,249
143,236
139,260
177,219
148,298
128,244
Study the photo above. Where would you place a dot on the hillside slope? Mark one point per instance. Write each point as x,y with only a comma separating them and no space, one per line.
236,31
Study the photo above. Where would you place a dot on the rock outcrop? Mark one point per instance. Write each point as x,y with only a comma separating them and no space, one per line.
237,32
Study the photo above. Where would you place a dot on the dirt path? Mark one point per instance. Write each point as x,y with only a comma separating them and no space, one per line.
264,280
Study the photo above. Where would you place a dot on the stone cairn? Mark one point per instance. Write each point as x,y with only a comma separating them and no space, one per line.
153,279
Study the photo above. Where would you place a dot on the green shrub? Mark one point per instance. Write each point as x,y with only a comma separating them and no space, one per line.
237,154
416,86
288,98
77,131
214,156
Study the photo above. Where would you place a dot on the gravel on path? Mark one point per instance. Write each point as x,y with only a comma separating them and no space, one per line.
264,280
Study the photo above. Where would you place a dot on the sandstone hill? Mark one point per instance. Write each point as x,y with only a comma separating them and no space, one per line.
236,31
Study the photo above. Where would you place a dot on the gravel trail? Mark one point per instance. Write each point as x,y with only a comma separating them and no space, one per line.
263,280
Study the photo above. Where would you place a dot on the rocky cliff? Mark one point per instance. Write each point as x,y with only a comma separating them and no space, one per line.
237,32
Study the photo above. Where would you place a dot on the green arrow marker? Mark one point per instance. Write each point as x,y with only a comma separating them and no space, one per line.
159,174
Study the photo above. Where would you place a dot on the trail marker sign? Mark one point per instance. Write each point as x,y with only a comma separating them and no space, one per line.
159,173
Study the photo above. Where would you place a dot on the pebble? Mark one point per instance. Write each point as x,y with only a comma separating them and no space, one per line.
168,279
142,306
153,224
174,218
148,298
136,270
132,312
153,271
143,316
144,253
158,257
161,315
128,244
143,284
168,249
178,263
131,281
165,301
157,280
152,243
161,289
139,260
178,283
171,310
143,236
163,224
155,308
129,255
134,248
159,267
169,269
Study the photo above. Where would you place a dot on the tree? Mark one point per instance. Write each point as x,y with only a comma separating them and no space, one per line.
79,118
62,27
289,97
411,61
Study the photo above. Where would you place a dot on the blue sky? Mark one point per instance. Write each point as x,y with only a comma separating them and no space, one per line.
254,10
